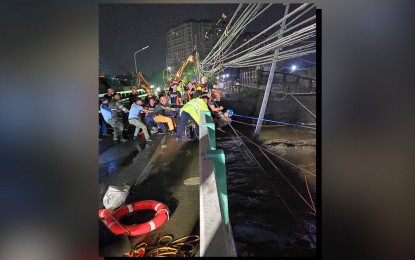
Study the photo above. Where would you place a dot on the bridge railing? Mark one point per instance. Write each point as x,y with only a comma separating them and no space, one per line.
124,94
289,83
215,230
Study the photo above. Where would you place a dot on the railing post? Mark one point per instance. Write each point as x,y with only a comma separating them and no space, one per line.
220,172
211,133
215,230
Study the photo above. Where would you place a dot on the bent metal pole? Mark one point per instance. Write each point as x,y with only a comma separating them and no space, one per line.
269,83
135,60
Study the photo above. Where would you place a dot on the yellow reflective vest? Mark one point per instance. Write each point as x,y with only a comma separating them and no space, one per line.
193,107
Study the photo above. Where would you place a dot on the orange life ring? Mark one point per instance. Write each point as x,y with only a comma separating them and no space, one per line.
111,220
103,213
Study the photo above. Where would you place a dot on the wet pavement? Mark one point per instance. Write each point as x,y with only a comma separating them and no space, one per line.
268,217
164,171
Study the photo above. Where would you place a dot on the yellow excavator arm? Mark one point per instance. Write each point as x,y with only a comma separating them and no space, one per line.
179,72
142,83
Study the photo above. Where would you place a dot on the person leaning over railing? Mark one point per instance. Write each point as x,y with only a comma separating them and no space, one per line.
190,111
220,118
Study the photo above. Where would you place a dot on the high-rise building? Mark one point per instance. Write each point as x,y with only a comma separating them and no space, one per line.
182,38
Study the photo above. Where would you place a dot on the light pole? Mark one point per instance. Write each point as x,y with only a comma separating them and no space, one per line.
135,61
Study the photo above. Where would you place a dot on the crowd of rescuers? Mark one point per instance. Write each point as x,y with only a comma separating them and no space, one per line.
153,113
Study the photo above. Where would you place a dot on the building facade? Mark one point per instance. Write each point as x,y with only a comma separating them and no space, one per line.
182,38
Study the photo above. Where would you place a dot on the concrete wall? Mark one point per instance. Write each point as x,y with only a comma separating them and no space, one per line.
286,110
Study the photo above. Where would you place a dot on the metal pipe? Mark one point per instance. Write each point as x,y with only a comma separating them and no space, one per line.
269,83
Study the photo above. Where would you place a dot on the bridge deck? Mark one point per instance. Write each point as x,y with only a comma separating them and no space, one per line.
164,171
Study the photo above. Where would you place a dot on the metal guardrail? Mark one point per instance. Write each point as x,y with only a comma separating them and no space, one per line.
124,94
215,230
289,83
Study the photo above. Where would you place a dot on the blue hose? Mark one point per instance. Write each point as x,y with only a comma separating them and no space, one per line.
274,121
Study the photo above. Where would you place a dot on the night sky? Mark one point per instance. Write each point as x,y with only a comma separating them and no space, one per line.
126,28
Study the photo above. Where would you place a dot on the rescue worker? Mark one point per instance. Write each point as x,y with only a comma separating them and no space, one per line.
175,96
105,115
110,94
211,103
133,96
161,114
221,119
190,111
134,119
149,120
116,117
198,91
180,87
190,90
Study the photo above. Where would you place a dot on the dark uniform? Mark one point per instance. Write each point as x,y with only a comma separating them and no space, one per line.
131,98
117,119
174,98
109,96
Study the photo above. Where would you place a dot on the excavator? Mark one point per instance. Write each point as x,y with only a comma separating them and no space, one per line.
177,77
142,83
179,73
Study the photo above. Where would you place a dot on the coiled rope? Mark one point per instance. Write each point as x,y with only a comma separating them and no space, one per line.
167,246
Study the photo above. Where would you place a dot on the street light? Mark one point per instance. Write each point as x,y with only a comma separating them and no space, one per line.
135,61
293,68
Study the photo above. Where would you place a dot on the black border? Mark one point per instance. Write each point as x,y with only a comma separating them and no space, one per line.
319,127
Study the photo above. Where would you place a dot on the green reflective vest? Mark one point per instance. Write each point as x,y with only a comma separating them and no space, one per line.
193,107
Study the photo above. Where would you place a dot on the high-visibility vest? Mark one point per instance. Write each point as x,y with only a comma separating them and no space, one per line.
194,107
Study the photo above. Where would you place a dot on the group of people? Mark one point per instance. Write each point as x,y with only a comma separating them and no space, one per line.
158,111
180,93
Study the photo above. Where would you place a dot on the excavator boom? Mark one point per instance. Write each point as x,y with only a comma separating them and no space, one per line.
142,83
179,72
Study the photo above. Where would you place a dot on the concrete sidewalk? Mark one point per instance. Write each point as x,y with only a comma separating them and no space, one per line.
164,171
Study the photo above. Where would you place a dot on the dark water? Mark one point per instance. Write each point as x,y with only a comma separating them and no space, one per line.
258,198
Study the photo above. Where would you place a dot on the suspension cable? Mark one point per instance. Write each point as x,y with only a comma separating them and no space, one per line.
277,194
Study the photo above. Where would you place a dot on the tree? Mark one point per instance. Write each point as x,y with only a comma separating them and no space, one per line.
190,73
156,77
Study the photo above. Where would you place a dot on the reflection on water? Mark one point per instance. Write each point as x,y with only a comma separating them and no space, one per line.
258,199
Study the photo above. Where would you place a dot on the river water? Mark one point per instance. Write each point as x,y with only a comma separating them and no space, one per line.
270,209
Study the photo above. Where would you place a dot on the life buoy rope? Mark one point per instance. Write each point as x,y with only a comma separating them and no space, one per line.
167,246
111,218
